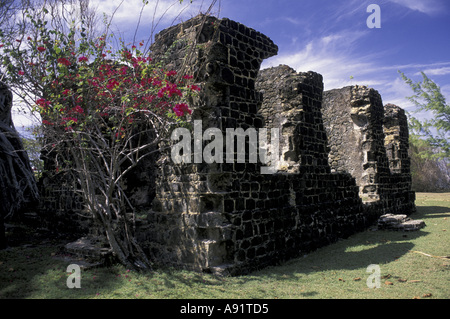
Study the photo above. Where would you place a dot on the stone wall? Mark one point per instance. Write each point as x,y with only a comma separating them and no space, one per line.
292,102
370,141
342,161
191,223
230,217
61,210
396,139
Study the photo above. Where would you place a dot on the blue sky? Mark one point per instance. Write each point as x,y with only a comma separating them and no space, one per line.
330,37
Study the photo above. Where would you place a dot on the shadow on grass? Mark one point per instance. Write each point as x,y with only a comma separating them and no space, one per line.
353,254
350,254
359,250
31,272
427,212
38,271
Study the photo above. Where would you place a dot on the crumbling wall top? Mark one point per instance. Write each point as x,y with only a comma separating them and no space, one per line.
203,38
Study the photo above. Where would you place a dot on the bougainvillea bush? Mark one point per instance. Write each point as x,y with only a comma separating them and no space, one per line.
104,108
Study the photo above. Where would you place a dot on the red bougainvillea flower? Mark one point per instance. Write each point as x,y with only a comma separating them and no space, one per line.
187,77
121,133
181,109
112,84
123,70
83,59
156,82
64,61
42,103
171,89
149,98
41,49
21,72
194,87
127,55
171,73
78,109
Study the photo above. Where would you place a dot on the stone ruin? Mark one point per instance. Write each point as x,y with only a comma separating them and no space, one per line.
343,160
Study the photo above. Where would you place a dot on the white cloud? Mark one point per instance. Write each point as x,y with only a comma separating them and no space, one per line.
129,11
335,57
156,14
22,115
330,56
445,90
429,7
395,92
437,71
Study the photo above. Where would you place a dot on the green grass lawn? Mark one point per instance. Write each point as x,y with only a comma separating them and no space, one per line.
336,271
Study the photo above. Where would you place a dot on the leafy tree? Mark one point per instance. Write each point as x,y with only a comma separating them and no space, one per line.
428,174
428,97
104,109
430,138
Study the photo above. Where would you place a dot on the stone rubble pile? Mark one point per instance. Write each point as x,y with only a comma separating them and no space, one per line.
399,222
88,252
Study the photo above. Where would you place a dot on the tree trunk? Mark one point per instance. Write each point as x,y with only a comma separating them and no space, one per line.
126,250
18,186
